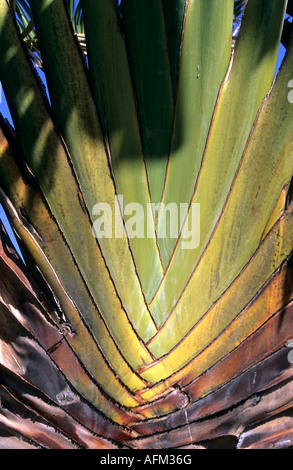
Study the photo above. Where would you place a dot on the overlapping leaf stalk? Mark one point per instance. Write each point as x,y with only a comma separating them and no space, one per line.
141,335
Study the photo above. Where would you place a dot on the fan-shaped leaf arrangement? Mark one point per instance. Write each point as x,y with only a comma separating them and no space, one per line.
150,191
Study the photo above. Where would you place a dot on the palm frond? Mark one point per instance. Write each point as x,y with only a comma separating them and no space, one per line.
147,339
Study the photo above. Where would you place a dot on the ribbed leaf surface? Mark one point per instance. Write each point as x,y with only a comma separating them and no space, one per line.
150,190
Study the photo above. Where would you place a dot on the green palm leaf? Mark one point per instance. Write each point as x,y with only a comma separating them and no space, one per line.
150,188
